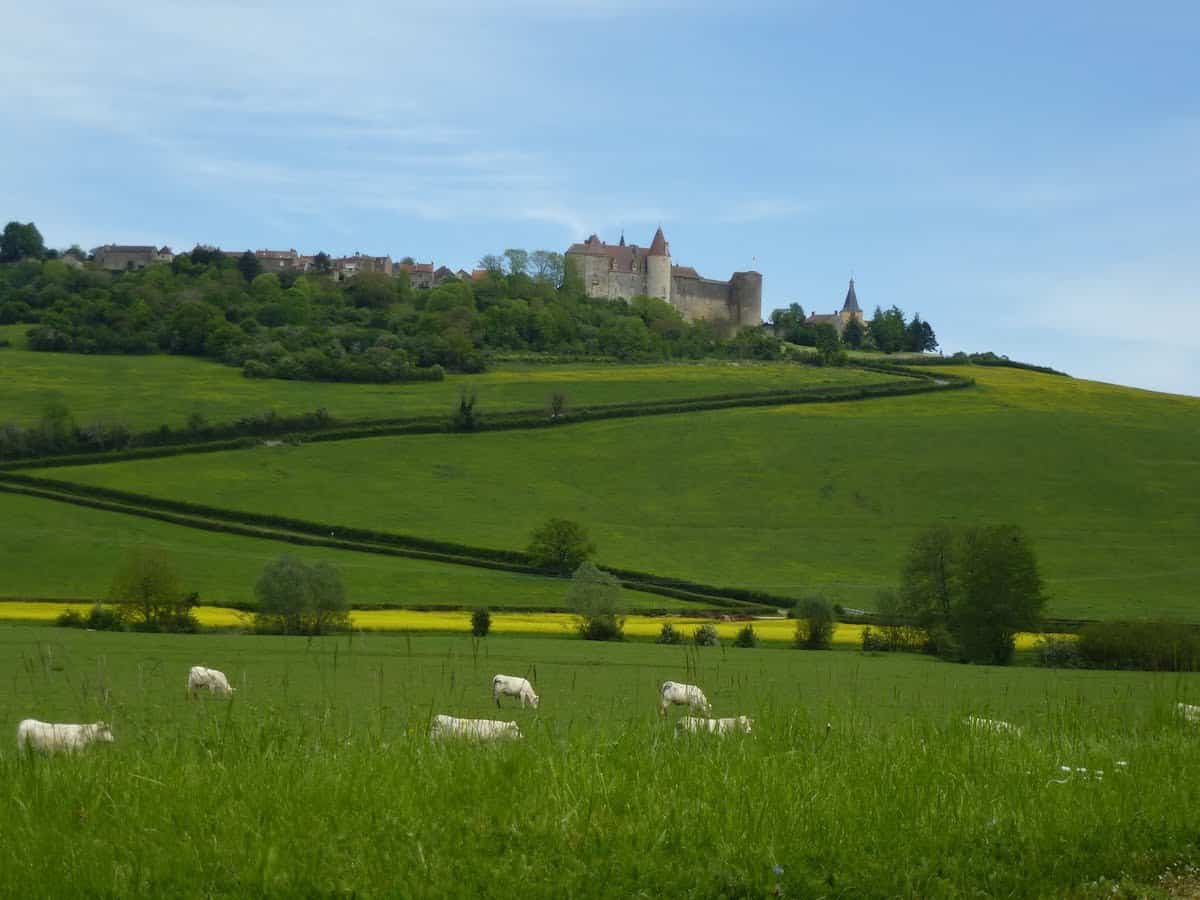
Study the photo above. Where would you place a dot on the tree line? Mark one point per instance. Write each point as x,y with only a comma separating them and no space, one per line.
888,330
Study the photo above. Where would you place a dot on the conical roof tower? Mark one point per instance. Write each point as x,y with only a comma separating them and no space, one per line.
851,304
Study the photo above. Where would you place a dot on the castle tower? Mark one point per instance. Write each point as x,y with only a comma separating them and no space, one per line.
851,309
658,268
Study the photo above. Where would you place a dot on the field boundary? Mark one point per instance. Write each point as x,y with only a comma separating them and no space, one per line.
295,531
164,444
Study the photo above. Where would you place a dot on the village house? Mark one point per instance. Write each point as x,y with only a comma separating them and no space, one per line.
121,257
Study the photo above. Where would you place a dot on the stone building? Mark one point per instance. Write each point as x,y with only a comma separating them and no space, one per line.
349,266
850,310
120,257
614,271
279,261
420,275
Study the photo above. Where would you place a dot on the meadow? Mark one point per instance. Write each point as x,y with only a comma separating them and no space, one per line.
318,778
147,391
52,549
792,500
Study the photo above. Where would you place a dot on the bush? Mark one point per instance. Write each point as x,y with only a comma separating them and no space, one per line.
594,597
602,628
98,618
669,635
69,618
481,622
1058,653
942,643
746,637
874,641
814,623
1153,646
706,636
296,598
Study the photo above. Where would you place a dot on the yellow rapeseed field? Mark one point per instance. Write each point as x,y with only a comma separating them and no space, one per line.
552,623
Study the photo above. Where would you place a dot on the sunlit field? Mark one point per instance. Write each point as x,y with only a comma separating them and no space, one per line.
792,500
147,391
860,778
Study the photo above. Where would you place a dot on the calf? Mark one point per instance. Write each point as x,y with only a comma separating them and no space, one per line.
50,736
672,692
472,729
200,678
731,725
514,687
1189,712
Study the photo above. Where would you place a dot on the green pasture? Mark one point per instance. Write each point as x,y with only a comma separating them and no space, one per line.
822,497
57,550
147,391
318,778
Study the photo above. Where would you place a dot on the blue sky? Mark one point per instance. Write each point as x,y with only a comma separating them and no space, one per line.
1025,175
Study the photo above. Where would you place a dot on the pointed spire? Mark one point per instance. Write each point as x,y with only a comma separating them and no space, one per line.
658,247
622,237
851,304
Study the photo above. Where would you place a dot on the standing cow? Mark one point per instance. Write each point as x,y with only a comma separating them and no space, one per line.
214,680
672,692
512,686
51,736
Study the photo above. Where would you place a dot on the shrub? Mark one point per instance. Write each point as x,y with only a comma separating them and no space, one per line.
147,589
746,637
594,597
481,622
602,628
69,618
295,598
1058,653
669,635
706,636
942,643
1154,646
104,619
814,623
874,641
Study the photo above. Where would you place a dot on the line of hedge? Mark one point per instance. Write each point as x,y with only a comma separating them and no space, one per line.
913,383
301,532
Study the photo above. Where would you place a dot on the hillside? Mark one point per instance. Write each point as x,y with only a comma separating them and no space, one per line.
788,499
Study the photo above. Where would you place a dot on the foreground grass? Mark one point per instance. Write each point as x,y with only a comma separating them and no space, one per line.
50,549
824,497
319,777
147,391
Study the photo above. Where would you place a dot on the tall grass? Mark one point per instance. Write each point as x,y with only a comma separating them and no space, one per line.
319,777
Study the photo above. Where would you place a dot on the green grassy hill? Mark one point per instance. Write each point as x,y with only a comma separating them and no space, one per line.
50,549
791,499
147,391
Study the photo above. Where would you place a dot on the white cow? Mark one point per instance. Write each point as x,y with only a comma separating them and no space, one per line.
994,726
1189,712
731,725
514,687
472,729
51,736
200,678
682,695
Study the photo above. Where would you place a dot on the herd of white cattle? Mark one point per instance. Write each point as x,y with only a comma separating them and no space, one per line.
49,737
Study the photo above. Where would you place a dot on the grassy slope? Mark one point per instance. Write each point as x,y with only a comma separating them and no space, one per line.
52,549
146,391
897,799
791,499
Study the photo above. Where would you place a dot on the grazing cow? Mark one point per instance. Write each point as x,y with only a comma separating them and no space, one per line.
682,695
731,725
514,687
50,736
471,729
1189,712
994,726
200,678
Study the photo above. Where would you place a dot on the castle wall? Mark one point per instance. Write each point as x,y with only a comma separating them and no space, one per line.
700,298
600,281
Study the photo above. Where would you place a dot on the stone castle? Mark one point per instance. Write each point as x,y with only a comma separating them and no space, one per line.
614,271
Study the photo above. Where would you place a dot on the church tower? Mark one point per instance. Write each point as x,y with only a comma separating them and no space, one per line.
658,268
851,309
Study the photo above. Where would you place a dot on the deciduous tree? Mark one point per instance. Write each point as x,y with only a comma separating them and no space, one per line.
561,545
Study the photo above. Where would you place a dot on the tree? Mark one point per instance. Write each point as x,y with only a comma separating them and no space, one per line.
560,545
829,345
518,261
852,334
887,329
595,597
148,591
21,241
295,598
249,266
977,585
322,264
493,264
547,266
1000,593
814,623
481,622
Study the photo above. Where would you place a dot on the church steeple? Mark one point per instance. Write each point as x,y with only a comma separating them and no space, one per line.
851,304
